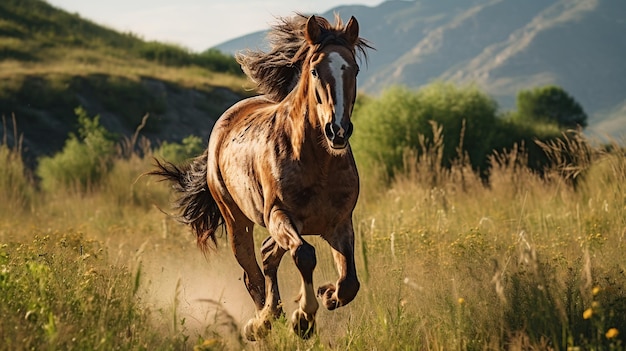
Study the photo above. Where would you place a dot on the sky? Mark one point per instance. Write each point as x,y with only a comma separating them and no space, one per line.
194,24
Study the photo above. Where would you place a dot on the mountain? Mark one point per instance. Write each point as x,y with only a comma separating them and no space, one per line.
503,46
52,61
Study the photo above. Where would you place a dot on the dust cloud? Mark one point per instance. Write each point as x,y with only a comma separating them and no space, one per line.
200,296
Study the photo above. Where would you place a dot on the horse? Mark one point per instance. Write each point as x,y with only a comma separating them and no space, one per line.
282,160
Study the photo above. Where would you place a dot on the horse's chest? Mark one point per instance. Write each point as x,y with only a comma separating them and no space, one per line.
321,196
318,204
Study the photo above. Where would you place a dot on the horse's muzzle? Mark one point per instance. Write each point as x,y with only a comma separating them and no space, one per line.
337,135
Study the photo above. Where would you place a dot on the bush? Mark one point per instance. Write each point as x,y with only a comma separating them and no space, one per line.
173,55
190,147
218,61
387,127
401,121
85,158
166,54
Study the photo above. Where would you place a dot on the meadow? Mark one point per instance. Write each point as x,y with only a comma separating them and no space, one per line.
447,261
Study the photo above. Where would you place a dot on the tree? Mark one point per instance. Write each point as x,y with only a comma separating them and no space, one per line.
550,104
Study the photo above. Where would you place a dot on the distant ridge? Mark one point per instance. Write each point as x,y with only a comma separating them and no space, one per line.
500,45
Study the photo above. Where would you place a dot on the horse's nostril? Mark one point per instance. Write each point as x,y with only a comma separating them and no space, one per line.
336,134
349,130
329,130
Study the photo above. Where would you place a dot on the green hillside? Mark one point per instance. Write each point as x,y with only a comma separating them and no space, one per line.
52,61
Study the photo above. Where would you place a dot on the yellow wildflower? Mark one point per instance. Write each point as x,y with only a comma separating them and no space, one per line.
596,290
208,344
612,333
461,300
588,313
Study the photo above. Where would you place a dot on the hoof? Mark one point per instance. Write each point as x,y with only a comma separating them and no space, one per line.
326,293
256,330
302,326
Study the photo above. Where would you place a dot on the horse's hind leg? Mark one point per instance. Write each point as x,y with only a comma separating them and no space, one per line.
342,244
287,237
242,244
272,253
257,327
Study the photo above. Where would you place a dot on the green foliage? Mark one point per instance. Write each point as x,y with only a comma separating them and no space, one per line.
510,133
167,54
550,104
387,127
59,291
173,55
403,122
85,158
216,60
190,147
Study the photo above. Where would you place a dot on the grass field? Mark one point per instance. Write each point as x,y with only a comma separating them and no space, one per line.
446,263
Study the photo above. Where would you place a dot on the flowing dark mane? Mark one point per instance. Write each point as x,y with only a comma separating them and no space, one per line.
277,72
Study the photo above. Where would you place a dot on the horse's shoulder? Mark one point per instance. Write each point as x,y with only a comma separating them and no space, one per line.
245,106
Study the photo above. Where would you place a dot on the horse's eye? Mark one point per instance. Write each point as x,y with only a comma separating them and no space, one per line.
314,73
357,71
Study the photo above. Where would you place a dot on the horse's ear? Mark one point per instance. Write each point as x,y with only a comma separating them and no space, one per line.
352,31
313,30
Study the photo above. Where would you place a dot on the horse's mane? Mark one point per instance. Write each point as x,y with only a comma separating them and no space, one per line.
277,72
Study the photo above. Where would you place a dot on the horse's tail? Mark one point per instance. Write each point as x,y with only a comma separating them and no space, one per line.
195,205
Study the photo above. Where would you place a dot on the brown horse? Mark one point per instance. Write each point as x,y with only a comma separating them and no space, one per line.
282,160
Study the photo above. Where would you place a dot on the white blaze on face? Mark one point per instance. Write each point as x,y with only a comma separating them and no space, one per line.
337,66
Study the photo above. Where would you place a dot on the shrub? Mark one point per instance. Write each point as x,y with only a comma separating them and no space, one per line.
218,61
174,55
176,153
84,158
166,54
401,121
389,126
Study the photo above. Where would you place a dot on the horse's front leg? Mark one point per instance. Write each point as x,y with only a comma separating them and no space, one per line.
286,234
342,243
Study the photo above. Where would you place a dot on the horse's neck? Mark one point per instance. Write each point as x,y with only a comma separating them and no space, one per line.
302,130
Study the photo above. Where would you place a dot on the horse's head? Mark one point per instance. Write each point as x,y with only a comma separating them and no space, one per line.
332,81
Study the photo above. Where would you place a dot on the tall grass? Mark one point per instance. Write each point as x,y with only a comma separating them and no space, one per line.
447,261
511,265
16,186
64,294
